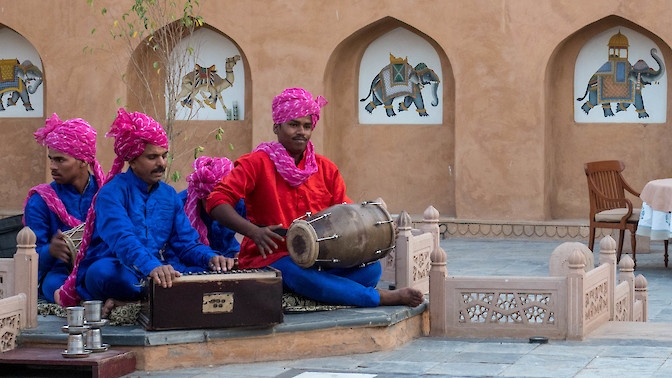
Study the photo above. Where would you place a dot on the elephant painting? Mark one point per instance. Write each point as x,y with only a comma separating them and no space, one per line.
618,81
19,80
206,81
400,79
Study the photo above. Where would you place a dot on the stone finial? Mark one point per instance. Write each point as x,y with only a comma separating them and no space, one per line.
641,282
381,202
404,221
438,256
559,264
576,259
431,214
608,244
26,238
626,263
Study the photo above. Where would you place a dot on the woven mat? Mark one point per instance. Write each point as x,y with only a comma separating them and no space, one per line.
127,315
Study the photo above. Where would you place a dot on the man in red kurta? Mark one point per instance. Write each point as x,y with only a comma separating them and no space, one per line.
282,181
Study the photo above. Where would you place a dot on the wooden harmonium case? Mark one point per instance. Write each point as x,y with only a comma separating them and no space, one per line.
237,298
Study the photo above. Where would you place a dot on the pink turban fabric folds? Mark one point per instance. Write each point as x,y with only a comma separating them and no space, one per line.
296,103
208,171
131,132
293,103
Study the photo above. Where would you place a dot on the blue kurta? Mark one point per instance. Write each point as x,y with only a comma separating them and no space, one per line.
46,223
137,230
222,239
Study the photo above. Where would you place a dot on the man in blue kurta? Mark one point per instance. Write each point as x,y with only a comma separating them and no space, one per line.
140,228
63,204
208,171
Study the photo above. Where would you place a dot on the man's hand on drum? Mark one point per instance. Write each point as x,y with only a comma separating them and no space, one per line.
221,264
58,249
163,275
264,238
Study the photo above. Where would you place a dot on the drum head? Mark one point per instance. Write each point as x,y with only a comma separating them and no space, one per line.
302,243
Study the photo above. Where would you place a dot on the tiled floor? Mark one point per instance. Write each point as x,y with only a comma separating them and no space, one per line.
599,356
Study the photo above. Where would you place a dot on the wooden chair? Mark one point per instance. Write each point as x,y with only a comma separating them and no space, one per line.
608,206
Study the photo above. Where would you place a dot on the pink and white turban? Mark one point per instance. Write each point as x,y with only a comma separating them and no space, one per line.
132,132
295,103
208,171
74,137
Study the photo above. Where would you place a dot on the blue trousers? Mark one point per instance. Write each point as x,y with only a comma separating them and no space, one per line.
351,286
109,278
53,280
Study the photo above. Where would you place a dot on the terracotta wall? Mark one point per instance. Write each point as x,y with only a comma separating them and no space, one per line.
508,147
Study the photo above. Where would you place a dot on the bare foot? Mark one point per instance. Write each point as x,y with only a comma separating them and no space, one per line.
57,296
111,303
406,296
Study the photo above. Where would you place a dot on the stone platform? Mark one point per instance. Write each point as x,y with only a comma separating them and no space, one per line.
301,335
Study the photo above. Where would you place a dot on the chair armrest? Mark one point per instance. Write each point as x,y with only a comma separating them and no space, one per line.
629,189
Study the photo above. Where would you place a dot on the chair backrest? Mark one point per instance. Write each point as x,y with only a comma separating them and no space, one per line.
605,176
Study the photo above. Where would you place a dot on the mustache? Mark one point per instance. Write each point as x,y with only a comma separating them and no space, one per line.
159,170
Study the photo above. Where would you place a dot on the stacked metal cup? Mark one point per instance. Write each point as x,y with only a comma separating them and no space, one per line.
75,330
93,315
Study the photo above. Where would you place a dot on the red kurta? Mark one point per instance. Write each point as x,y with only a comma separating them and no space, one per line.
270,200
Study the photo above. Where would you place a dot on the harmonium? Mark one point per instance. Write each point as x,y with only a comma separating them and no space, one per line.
237,298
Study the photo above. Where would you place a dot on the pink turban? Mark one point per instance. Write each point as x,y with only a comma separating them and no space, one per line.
132,132
74,137
208,171
295,103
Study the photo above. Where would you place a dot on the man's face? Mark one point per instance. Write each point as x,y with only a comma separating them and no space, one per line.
295,134
65,169
151,165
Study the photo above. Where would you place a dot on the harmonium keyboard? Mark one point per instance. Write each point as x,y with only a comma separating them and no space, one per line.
237,298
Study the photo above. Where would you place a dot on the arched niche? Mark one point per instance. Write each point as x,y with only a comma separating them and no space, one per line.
24,160
199,125
409,165
643,146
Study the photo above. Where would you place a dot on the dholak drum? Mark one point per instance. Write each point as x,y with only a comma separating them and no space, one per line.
342,236
73,239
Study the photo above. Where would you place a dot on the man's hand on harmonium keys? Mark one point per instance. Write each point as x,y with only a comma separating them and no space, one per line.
221,264
163,275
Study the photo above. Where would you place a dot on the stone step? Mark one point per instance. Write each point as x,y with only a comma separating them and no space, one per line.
40,362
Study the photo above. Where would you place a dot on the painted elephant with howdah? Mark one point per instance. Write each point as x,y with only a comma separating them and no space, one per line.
401,79
19,80
618,81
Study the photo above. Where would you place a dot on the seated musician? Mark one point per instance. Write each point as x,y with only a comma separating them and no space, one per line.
63,204
208,171
281,181
141,229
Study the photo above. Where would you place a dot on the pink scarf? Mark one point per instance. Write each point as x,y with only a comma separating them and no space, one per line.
53,203
285,164
208,171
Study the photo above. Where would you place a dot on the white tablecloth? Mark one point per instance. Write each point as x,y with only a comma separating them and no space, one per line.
654,224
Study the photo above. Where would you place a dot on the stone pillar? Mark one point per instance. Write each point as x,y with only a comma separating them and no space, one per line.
642,295
430,223
608,256
575,301
403,260
437,293
627,274
25,273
